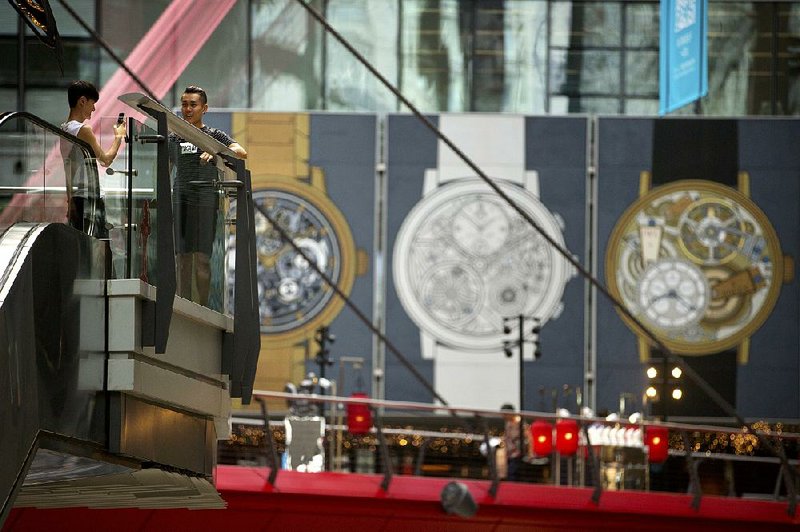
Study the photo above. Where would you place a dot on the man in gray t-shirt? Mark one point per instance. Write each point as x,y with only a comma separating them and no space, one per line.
195,198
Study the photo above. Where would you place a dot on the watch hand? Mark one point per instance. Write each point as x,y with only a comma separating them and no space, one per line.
683,302
474,223
672,294
658,298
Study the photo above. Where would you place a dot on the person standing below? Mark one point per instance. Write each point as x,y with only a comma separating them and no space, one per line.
513,443
195,198
82,96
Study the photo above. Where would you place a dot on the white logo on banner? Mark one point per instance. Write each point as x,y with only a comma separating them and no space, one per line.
685,14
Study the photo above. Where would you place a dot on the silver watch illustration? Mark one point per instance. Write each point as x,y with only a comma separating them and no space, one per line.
464,259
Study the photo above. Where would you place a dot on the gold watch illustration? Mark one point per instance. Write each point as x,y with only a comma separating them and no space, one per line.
698,263
294,299
695,259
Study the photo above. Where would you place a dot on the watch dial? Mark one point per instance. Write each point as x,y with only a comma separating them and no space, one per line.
464,260
673,294
697,263
290,291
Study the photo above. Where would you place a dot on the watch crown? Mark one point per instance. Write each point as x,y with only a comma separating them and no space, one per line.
362,262
560,221
557,311
788,269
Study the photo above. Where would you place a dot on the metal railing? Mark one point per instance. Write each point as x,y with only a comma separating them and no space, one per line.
432,440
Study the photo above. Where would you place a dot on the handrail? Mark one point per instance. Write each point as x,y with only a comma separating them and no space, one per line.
91,174
87,150
592,450
408,405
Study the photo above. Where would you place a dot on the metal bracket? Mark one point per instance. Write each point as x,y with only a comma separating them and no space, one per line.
692,465
594,462
150,139
491,458
272,452
387,464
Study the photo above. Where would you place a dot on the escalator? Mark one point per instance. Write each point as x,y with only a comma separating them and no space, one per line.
93,413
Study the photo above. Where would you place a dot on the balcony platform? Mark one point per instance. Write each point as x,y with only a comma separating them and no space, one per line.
348,501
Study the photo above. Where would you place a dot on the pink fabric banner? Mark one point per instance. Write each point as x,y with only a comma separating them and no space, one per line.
159,59
163,53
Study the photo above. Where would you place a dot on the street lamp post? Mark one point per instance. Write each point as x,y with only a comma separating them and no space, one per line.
520,342
323,337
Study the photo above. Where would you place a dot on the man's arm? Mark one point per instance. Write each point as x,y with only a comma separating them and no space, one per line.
106,157
238,150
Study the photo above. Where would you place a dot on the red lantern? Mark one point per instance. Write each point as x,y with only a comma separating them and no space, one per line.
359,416
657,441
567,436
542,438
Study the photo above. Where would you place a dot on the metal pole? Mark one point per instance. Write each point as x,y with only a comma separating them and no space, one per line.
521,369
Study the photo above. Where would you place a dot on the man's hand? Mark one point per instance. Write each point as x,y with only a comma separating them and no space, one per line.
206,158
120,131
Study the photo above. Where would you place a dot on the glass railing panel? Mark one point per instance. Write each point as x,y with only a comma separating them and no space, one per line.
17,193
130,206
114,204
144,205
71,182
45,177
200,213
223,242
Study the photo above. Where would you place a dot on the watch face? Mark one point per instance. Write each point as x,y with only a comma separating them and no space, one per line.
673,293
698,263
464,260
292,295
290,291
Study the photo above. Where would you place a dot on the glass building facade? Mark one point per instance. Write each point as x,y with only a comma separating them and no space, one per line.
522,56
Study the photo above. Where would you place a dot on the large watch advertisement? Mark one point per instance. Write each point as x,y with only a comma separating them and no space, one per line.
691,223
700,249
462,259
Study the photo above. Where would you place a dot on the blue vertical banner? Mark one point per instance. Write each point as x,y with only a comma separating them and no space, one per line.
683,58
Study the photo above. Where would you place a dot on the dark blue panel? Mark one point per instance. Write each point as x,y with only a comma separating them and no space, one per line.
411,150
556,148
344,147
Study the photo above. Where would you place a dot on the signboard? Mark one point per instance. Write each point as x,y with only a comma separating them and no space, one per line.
683,61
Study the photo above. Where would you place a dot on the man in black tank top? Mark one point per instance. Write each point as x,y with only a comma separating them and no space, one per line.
82,96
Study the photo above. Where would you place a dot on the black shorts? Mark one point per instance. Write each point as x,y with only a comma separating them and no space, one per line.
195,226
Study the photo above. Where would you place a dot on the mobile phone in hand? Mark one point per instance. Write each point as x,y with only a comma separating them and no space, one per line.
121,118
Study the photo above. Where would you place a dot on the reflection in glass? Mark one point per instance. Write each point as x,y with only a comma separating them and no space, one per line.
642,25
789,70
641,74
220,67
432,72
731,38
528,56
510,57
587,72
371,27
286,56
